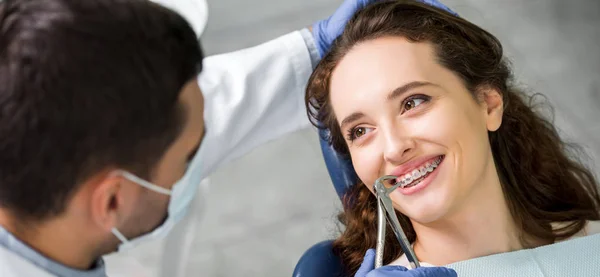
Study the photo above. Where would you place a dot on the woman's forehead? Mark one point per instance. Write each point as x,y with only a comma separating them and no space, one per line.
382,65
384,57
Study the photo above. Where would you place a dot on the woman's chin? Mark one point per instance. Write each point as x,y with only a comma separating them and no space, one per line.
423,211
426,212
426,217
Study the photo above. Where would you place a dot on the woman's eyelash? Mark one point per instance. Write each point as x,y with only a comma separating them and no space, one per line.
350,135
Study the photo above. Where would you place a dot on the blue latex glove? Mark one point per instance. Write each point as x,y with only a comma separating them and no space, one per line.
367,269
326,31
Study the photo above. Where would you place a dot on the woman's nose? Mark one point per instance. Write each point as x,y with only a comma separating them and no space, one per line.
398,144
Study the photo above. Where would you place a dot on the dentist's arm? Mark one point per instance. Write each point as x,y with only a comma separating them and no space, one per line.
253,96
256,95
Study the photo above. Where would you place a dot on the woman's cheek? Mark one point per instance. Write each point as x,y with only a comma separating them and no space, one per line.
438,125
367,164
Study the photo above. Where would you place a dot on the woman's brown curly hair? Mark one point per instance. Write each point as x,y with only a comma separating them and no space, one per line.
541,177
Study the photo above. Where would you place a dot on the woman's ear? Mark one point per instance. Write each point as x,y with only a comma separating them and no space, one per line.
493,107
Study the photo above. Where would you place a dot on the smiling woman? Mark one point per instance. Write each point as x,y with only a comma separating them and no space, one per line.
418,93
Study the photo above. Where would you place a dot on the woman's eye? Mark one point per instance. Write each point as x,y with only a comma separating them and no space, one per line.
414,102
358,132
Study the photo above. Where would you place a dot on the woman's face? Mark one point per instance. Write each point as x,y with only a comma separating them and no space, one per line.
403,114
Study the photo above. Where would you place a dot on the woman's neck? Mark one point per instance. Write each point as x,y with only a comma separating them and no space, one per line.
481,226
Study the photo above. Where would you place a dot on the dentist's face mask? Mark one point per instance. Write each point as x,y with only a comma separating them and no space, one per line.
182,194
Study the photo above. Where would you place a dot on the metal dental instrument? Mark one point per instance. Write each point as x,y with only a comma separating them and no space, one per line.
385,210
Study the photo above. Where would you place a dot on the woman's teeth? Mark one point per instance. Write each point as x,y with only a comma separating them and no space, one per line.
417,175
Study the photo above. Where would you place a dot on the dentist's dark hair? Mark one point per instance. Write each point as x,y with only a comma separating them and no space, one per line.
86,85
542,179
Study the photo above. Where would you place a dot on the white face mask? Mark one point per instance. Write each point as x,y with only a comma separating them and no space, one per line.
181,197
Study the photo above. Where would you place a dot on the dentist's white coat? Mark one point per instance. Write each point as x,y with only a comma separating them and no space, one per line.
252,95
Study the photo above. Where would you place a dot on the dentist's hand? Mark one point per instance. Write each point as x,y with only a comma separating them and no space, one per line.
368,265
326,31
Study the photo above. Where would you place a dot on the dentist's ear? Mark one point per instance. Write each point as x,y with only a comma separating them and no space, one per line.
493,105
107,199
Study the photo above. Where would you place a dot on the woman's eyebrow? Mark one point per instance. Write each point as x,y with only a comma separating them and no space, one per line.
349,119
407,87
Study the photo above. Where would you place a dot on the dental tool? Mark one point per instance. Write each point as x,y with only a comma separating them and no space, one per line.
385,210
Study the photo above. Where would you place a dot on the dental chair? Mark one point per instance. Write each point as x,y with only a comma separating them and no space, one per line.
319,260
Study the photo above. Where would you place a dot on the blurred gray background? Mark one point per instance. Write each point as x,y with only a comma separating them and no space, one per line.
265,209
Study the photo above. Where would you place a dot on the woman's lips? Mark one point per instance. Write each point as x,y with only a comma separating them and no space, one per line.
423,183
416,175
408,167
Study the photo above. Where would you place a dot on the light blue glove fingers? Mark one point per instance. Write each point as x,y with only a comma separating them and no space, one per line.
326,31
367,269
438,5
367,265
337,22
432,272
400,271
392,268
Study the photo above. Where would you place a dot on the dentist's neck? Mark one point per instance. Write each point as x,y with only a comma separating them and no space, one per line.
53,239
479,227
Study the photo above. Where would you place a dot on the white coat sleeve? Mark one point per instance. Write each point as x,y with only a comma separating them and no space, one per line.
253,96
